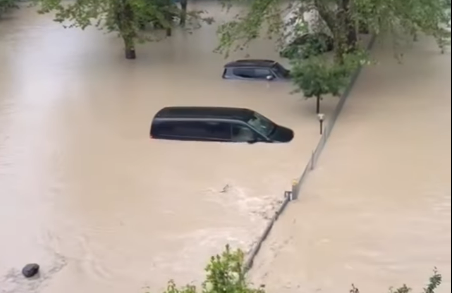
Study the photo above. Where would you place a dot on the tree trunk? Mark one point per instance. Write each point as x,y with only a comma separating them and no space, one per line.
349,27
124,21
169,19
352,36
129,43
334,19
183,15
318,104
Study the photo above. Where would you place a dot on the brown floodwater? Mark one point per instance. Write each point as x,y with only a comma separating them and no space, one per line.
84,191
377,210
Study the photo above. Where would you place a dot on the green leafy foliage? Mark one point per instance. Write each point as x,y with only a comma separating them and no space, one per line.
225,274
401,18
435,281
342,19
318,76
128,18
310,45
6,5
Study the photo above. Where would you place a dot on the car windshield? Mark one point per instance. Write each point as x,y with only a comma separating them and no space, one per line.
279,68
261,124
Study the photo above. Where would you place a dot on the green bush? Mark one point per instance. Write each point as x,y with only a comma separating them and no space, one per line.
6,5
225,274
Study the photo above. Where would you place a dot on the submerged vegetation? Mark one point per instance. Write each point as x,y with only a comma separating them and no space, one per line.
344,21
6,5
225,274
135,21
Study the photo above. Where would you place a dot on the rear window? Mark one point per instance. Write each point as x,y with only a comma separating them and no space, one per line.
204,130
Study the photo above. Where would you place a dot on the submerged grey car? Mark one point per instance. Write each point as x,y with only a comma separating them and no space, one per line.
255,69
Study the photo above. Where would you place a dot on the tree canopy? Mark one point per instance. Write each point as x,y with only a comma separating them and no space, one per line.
6,5
133,20
317,76
340,18
343,20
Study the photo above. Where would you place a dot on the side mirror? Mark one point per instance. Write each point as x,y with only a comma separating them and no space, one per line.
270,77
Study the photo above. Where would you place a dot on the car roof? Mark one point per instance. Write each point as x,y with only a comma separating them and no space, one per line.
205,112
251,62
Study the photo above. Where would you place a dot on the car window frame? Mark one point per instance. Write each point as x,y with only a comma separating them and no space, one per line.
270,73
243,68
192,137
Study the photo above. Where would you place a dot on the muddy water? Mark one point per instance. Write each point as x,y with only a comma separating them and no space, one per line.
86,193
376,212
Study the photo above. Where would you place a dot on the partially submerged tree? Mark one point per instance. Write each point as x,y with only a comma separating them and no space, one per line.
226,274
128,18
317,76
6,5
342,19
183,13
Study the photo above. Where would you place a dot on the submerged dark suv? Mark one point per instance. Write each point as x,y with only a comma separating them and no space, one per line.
217,124
255,69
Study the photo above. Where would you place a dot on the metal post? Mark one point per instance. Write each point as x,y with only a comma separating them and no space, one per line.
321,118
294,189
312,161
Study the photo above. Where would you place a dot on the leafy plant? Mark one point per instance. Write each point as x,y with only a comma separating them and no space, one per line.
435,281
6,5
225,274
342,19
127,18
318,76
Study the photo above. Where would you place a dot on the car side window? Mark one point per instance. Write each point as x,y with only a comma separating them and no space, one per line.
263,73
219,130
182,129
241,133
244,72
195,130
